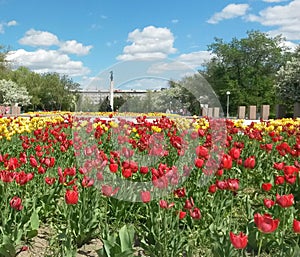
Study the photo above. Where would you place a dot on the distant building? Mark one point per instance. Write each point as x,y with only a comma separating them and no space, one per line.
97,96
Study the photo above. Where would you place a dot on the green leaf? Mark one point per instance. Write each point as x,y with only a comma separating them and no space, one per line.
34,220
7,250
108,246
127,253
126,238
32,233
296,251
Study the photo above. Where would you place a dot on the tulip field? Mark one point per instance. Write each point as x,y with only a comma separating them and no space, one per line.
149,185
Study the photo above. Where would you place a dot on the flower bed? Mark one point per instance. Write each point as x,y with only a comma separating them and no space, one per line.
165,186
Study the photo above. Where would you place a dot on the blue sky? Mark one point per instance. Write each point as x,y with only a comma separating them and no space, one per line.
84,39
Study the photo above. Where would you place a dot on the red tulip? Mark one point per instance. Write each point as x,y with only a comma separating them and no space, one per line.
235,153
145,196
249,162
278,165
296,226
12,164
189,204
180,192
222,184
22,178
232,184
87,181
107,190
144,170
33,161
212,188
285,200
41,169
199,163
202,151
126,173
195,213
268,203
164,204
16,203
49,181
291,179
279,180
265,223
226,162
290,170
182,214
7,176
219,172
71,196
238,241
266,186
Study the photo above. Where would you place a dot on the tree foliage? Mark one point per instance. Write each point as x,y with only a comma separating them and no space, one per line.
11,93
3,63
247,68
288,80
49,91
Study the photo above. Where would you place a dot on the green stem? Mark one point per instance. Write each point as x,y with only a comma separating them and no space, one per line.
283,234
260,244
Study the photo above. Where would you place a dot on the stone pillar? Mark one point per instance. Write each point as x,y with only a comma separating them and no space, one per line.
204,111
265,112
15,110
297,110
2,109
216,112
210,112
252,112
280,111
241,112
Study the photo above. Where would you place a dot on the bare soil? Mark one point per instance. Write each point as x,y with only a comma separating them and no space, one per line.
40,247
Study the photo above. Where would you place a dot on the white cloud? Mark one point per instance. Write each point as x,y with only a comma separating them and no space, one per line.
39,38
145,84
195,59
274,1
42,61
285,17
7,24
149,43
229,12
73,47
292,46
92,82
184,62
174,21
162,67
12,23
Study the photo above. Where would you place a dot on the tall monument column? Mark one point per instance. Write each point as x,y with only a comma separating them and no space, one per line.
111,90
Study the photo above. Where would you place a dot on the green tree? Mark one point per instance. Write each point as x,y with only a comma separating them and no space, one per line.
247,68
4,65
288,80
11,93
32,81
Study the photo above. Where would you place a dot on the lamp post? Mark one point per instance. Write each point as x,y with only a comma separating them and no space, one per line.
111,90
228,94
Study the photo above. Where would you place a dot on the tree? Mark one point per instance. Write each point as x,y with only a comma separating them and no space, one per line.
11,93
288,80
3,63
189,93
32,81
247,68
